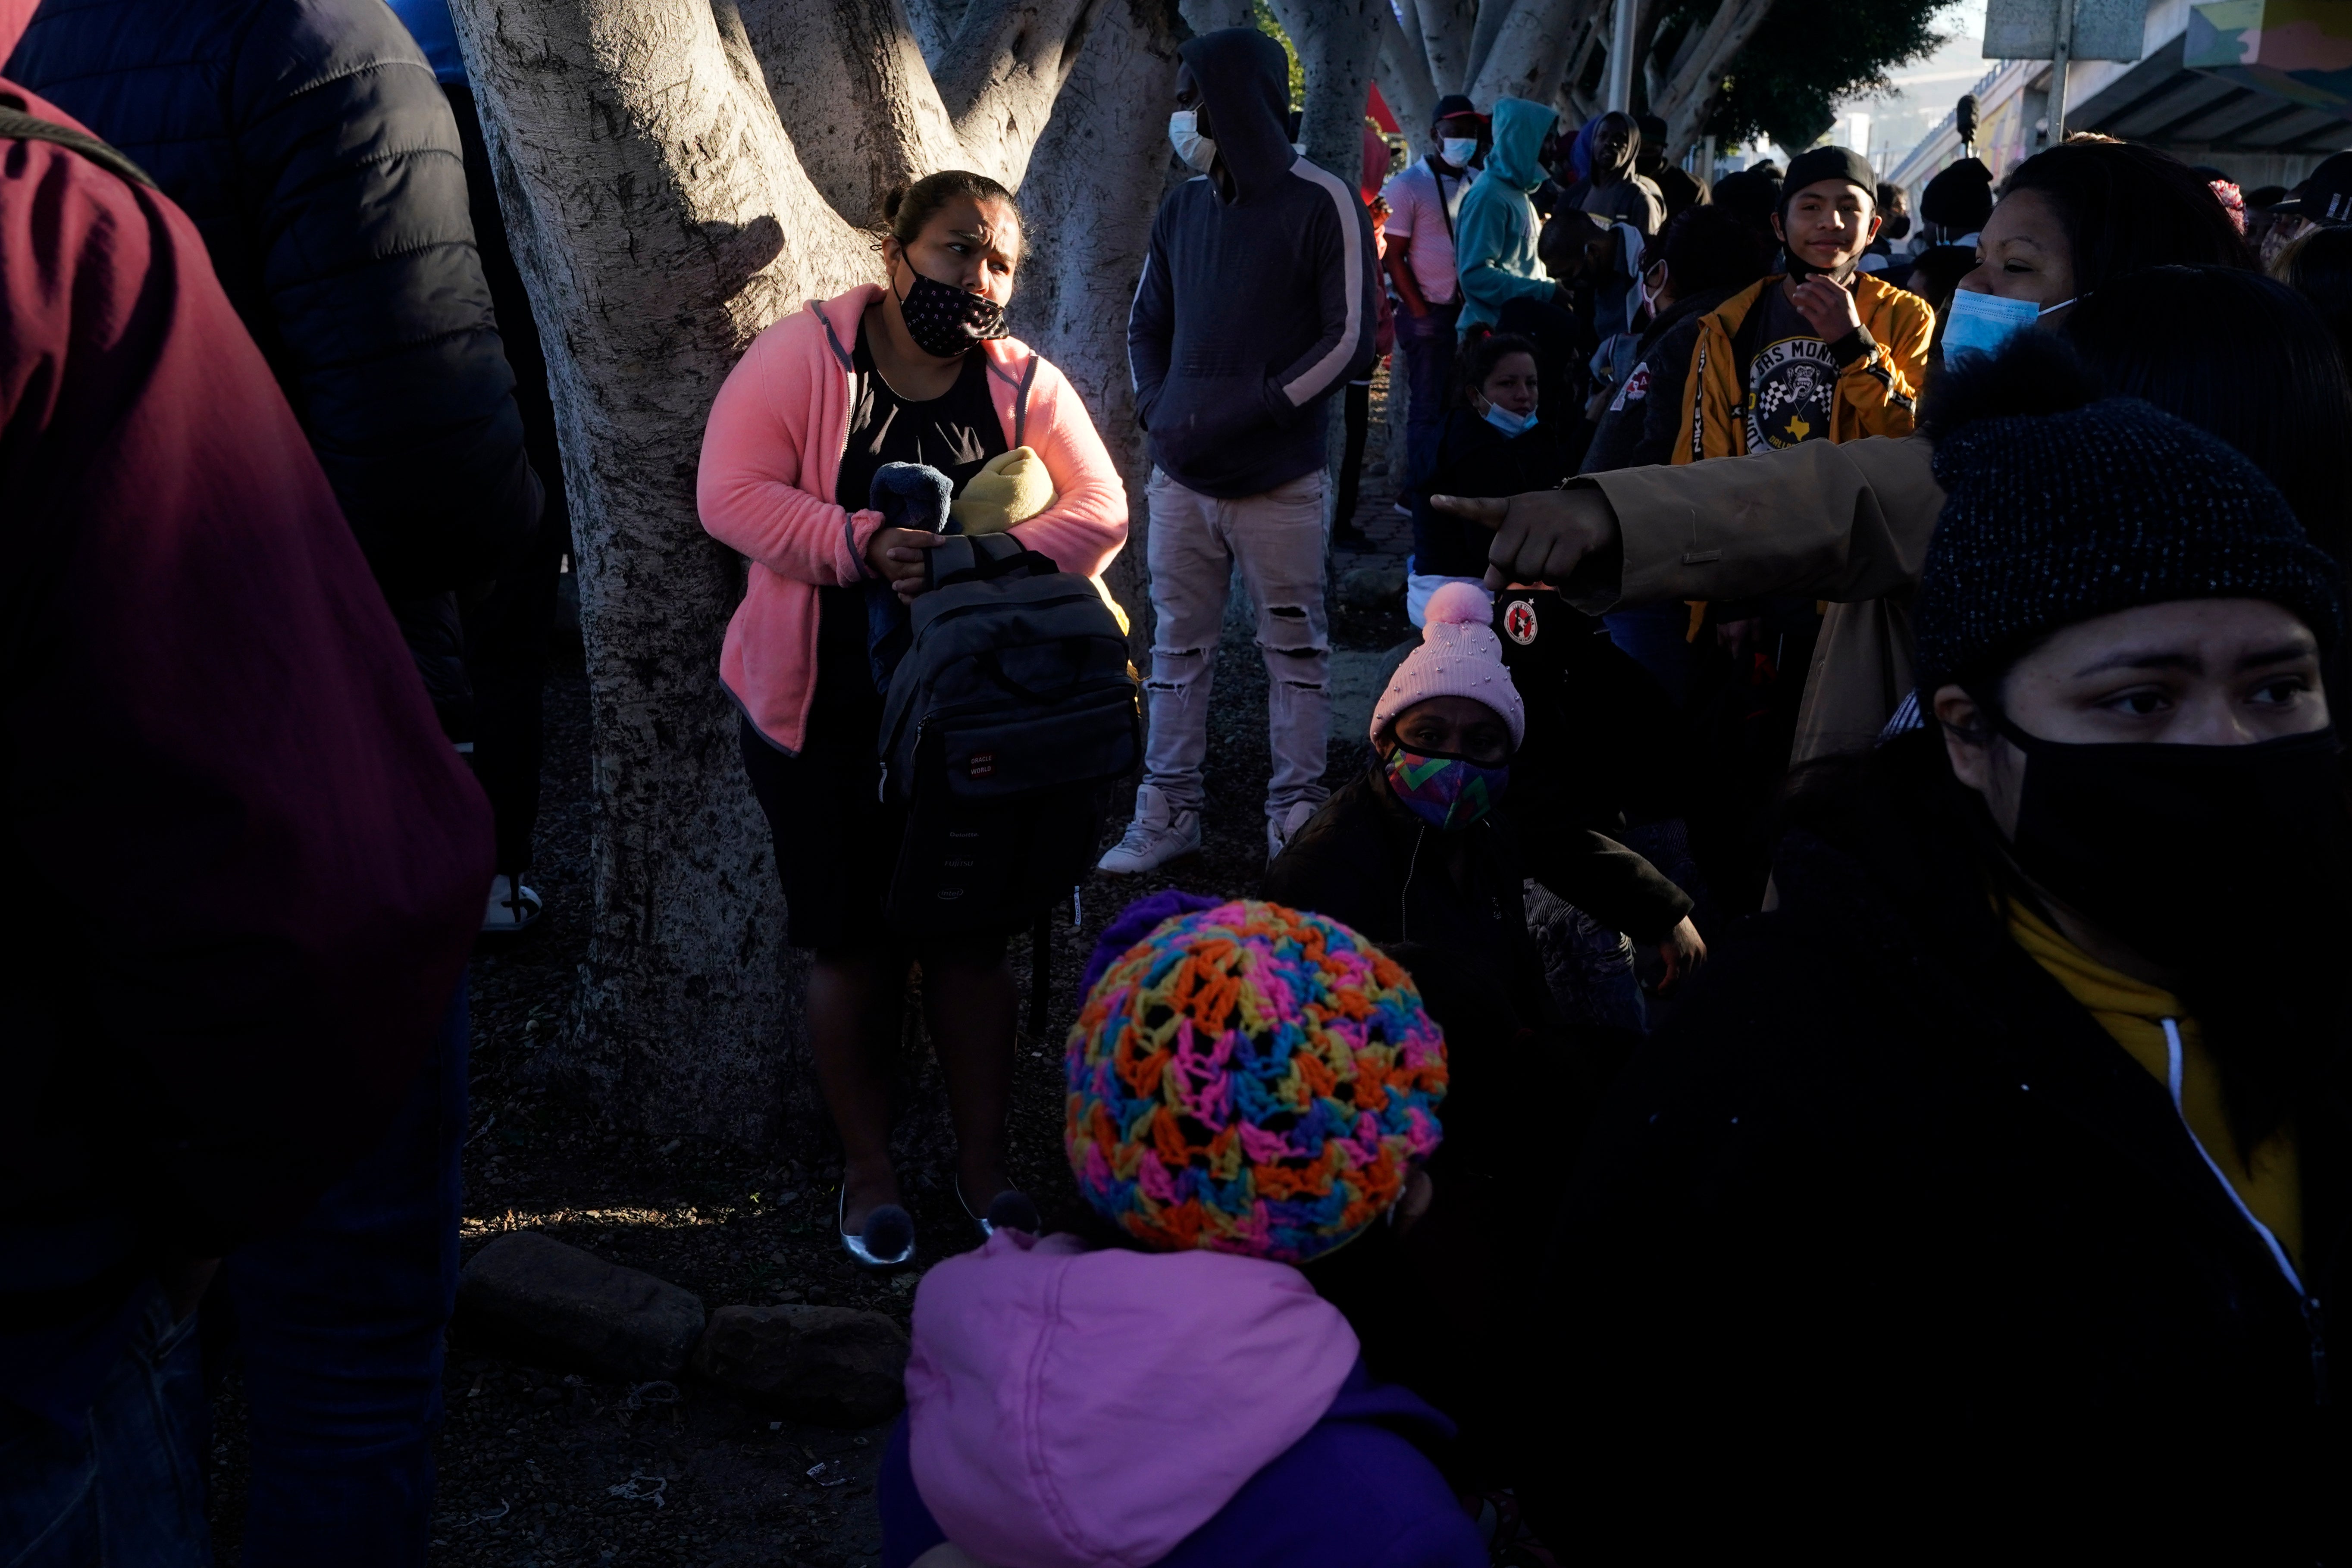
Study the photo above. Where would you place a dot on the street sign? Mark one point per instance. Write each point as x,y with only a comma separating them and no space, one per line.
2028,29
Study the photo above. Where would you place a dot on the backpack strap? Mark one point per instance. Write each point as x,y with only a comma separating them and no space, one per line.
18,124
961,557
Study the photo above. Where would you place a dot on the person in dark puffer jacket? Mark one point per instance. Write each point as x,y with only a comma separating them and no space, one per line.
312,147
311,144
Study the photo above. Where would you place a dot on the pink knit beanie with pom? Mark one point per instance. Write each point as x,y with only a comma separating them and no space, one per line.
1459,656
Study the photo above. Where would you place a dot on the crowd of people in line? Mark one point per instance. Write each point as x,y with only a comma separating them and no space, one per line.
1944,624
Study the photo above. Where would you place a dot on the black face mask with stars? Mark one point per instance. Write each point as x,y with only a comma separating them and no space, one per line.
944,320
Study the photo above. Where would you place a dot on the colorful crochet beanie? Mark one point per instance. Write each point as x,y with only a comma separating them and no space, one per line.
1251,1079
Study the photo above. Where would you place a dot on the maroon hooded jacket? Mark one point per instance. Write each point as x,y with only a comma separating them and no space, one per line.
242,865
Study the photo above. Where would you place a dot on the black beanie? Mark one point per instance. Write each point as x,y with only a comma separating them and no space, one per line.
1827,164
2054,517
1960,198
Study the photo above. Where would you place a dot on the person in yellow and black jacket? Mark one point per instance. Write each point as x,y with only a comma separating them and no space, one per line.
1819,350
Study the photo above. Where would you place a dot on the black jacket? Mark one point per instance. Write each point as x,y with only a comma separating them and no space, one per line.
315,153
1882,1183
1642,420
1250,312
1367,862
1473,458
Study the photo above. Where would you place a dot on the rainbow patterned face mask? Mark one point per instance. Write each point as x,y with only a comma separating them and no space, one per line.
1445,791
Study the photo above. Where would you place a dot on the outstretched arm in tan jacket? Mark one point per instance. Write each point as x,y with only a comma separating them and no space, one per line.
1847,521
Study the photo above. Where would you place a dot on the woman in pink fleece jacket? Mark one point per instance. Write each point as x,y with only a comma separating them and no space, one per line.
917,372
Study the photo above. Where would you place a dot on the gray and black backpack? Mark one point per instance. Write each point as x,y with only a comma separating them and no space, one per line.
1012,712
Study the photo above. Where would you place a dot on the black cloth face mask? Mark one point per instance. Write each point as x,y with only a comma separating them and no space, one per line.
945,320
2180,849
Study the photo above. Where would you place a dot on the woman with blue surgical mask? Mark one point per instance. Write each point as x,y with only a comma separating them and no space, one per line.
1850,523
1495,441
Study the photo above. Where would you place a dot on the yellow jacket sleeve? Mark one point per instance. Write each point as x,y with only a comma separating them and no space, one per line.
1878,393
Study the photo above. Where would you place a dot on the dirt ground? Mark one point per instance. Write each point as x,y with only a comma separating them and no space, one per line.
538,1469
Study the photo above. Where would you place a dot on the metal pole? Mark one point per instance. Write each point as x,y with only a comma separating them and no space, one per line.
1621,54
2062,52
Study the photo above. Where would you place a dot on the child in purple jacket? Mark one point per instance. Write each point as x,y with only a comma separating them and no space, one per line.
1249,1087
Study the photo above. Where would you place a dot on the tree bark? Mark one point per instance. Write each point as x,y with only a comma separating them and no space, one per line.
1338,48
1692,89
1095,183
1528,55
1403,73
662,215
1445,30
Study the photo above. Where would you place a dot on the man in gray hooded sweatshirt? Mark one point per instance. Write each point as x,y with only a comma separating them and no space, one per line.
1256,304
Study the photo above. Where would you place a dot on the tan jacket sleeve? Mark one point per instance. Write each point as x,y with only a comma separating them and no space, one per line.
1839,521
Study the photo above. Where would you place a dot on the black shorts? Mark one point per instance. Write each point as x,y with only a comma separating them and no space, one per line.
836,844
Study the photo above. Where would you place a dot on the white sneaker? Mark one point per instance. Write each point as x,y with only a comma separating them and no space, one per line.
1160,831
1279,829
514,906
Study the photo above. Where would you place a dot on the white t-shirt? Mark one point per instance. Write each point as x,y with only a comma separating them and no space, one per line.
1414,214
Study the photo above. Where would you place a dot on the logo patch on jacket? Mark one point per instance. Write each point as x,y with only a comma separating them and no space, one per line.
1636,389
1520,622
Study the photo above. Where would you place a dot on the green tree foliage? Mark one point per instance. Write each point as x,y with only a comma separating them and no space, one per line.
1263,14
1812,55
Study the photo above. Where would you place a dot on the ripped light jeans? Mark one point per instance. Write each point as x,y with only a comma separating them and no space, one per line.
1195,541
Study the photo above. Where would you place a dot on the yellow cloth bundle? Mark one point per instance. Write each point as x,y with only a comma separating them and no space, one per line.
1013,488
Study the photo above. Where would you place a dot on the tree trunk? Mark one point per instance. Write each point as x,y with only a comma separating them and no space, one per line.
1338,44
1095,183
662,216
1529,54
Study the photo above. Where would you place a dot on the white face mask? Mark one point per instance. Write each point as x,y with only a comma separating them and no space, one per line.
1650,295
1980,323
1184,134
1458,150
1508,422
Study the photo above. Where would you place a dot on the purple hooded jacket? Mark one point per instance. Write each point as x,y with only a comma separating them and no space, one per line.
1076,1409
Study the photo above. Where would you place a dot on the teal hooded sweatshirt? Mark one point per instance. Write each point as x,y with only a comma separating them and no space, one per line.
1494,237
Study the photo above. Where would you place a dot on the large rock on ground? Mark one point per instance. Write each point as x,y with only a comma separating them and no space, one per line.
827,1364
564,1306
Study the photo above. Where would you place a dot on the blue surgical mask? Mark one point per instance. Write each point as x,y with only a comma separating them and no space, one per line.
1508,422
1981,323
1184,134
1458,150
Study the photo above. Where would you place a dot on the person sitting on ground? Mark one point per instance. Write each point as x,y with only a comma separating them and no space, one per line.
1492,444
1990,1097
1849,523
1418,848
1420,854
1820,352
917,371
1222,1158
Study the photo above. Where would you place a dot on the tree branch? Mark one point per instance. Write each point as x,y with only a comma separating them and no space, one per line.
1338,44
1443,30
1690,96
1528,55
1405,77
1003,73
851,89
